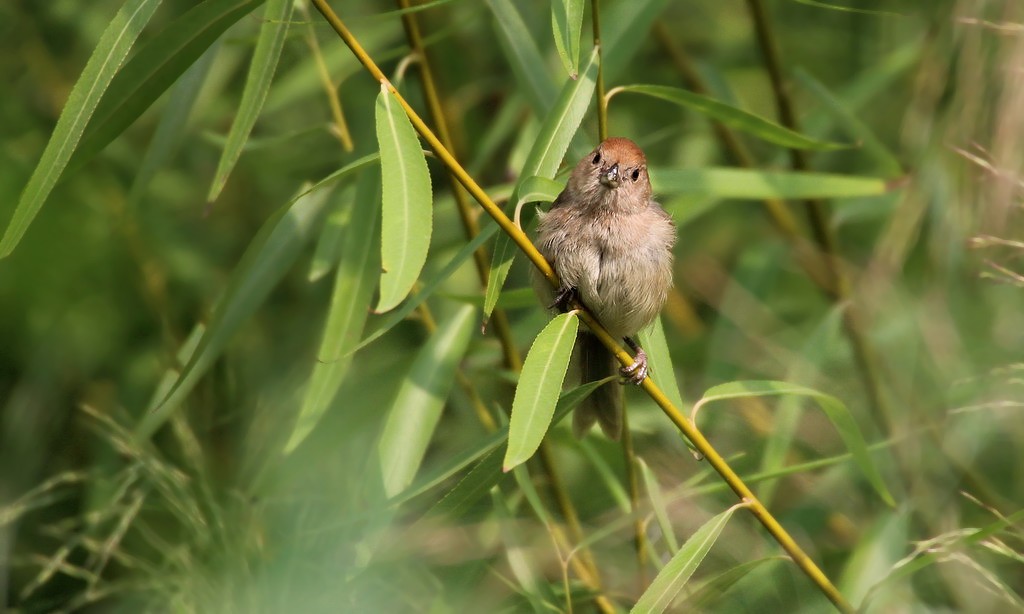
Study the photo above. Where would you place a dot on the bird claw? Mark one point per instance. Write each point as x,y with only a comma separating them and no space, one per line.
635,373
565,296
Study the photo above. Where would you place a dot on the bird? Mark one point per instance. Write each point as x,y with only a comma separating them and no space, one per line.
610,244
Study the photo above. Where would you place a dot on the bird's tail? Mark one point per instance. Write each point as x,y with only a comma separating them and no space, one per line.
604,405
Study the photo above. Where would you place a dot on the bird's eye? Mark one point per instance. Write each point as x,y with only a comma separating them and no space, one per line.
636,174
597,157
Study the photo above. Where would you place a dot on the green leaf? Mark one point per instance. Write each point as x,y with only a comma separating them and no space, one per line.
156,67
487,472
670,580
834,409
566,23
536,190
110,52
329,243
733,117
539,384
417,408
556,133
354,282
269,256
704,596
659,360
274,27
407,219
759,185
524,57
626,26
659,505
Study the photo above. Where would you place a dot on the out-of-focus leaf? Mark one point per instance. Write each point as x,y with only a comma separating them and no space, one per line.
704,596
273,29
329,243
99,71
408,216
759,185
834,409
671,579
732,116
625,26
268,257
659,360
659,505
488,471
869,142
354,282
417,408
171,130
525,58
539,383
158,64
556,133
566,23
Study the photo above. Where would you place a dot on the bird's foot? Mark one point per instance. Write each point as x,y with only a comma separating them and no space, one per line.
635,373
565,295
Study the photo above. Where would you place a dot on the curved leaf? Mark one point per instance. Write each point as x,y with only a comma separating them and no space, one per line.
99,71
417,408
834,409
407,218
759,185
354,282
276,17
704,596
732,116
566,23
539,384
670,580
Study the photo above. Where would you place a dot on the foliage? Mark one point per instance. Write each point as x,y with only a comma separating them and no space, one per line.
297,396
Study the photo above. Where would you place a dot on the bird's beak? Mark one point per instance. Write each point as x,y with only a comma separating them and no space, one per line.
610,177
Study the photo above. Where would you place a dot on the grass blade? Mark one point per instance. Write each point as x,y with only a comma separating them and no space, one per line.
407,217
759,185
539,383
566,24
156,67
732,116
257,83
99,71
556,134
417,408
670,580
834,409
354,282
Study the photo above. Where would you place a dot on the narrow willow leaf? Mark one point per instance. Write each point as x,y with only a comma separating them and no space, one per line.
759,185
556,133
276,17
487,471
870,144
110,52
158,64
524,57
670,580
705,595
417,408
659,360
834,409
539,383
354,282
659,505
407,218
171,130
330,241
734,117
566,23
535,190
268,257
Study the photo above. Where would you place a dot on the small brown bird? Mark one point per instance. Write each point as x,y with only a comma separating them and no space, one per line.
611,246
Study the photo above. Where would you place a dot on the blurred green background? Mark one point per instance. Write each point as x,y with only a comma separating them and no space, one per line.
116,273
